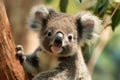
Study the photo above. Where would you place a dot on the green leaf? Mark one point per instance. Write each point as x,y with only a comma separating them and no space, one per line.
101,7
80,1
63,5
116,19
48,1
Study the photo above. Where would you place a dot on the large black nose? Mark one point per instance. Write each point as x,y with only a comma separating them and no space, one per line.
58,39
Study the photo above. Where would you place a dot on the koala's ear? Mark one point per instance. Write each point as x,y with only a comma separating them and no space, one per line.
89,28
38,17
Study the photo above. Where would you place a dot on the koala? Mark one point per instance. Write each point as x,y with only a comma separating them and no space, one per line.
61,36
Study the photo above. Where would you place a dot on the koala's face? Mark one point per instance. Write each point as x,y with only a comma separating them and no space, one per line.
63,34
59,36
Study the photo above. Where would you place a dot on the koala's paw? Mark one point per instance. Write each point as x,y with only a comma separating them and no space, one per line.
20,53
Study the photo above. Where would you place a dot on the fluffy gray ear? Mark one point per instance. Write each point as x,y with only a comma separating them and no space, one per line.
89,28
38,17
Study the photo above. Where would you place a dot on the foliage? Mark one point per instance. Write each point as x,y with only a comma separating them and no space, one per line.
100,7
48,1
63,5
116,19
107,7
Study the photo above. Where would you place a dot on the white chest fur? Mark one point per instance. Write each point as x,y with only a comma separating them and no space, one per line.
48,61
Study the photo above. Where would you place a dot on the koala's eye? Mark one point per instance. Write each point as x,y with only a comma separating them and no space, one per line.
49,33
70,37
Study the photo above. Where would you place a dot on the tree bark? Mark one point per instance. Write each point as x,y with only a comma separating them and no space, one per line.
10,68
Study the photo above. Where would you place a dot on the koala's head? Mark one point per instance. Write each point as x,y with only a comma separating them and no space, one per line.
63,34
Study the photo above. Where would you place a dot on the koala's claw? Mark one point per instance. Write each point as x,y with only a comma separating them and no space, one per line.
19,47
20,53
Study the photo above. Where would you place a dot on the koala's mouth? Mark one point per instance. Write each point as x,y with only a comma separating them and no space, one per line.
56,48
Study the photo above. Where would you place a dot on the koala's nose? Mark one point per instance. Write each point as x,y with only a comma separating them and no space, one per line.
58,38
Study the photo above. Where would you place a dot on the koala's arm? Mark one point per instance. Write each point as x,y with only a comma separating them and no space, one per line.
31,64
29,61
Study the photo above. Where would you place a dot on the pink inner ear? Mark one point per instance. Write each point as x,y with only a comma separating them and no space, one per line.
90,23
38,15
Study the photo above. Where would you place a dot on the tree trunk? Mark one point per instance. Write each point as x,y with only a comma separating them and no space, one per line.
10,68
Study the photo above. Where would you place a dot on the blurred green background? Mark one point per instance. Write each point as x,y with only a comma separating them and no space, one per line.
108,63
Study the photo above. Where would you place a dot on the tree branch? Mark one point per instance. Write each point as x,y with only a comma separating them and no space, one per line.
10,68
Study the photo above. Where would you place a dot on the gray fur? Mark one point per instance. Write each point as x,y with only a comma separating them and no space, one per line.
59,56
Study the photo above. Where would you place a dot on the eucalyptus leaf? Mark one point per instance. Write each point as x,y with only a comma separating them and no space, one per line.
48,1
101,7
116,19
80,1
63,5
